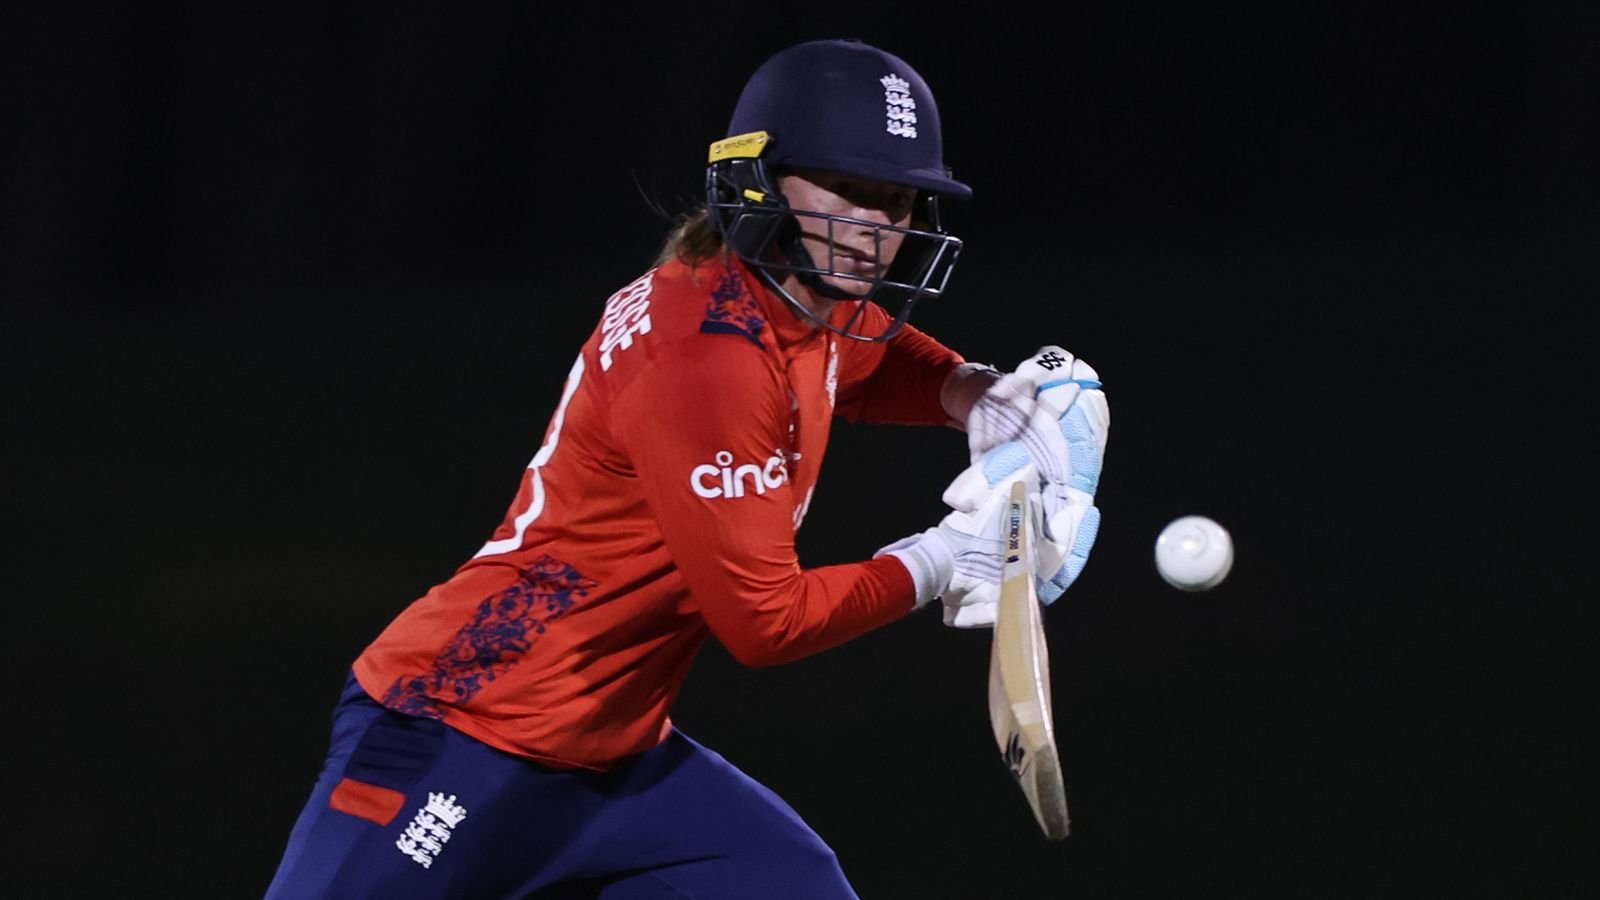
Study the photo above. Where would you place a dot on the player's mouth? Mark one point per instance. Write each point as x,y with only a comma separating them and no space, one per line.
853,262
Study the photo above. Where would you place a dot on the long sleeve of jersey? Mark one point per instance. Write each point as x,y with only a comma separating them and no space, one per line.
896,382
712,447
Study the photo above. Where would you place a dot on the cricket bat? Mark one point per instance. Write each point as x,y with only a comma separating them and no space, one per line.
1019,679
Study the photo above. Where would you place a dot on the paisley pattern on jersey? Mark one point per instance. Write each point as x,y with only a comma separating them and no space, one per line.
732,310
502,631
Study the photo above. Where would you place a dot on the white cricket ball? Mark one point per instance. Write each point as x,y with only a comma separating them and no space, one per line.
1194,553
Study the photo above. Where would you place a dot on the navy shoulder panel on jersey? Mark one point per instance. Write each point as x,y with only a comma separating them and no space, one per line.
732,309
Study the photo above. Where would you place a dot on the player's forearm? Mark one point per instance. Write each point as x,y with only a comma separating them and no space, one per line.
814,611
962,388
907,387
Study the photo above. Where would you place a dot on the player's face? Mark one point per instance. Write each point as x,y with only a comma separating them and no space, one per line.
857,249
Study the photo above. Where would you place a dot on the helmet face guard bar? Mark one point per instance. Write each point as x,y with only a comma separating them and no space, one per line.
757,223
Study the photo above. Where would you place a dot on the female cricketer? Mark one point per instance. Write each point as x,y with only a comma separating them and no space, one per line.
508,734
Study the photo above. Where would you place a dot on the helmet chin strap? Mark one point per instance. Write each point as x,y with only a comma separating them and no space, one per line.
806,269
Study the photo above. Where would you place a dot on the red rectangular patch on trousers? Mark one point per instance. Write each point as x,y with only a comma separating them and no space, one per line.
366,801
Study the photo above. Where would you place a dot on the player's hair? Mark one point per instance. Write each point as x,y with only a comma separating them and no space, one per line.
692,240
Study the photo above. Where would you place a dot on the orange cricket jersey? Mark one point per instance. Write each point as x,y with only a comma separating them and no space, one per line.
662,506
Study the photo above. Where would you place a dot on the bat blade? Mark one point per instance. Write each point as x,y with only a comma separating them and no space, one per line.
1019,680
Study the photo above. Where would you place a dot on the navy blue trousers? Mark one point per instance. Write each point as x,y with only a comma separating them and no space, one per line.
408,807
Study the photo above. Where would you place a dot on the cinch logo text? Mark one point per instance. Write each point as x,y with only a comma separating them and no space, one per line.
726,481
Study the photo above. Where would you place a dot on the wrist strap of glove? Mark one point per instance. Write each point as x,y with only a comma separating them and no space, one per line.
929,560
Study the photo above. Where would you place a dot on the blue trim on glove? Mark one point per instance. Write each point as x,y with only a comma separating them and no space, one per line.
1088,384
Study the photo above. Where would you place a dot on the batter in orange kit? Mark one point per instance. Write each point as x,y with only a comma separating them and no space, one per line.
509,733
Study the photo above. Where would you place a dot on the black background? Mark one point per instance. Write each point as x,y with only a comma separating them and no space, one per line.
289,293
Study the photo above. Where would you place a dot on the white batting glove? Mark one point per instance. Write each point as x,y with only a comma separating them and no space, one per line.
1025,406
959,560
1073,443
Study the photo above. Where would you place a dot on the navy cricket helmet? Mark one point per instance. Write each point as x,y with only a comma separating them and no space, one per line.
842,106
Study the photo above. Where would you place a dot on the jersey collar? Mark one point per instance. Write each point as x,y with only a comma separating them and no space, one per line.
789,328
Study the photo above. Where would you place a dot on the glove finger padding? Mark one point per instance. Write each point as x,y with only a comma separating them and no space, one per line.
1001,414
978,540
976,547
1084,429
975,613
1050,381
1072,522
1056,377
1076,454
972,487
